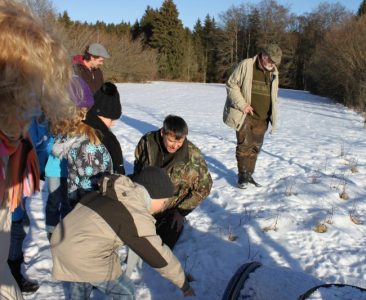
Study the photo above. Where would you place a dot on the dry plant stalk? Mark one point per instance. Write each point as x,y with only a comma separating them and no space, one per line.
343,195
231,237
273,226
355,220
246,217
343,153
352,215
315,177
329,218
290,188
353,165
320,227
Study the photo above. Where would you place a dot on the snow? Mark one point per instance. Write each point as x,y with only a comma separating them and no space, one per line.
318,152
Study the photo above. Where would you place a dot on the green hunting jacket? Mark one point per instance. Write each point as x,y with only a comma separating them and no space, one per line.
239,94
188,171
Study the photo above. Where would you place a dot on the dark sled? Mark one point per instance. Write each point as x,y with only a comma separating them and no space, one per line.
236,282
256,281
361,295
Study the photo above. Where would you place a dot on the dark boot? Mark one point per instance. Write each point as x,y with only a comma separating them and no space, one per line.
25,285
243,180
252,181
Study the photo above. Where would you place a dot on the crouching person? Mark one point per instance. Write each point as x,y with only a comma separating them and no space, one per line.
168,148
84,244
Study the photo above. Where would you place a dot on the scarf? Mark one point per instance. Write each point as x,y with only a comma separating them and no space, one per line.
20,177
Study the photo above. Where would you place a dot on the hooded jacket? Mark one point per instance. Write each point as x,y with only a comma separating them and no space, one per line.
239,94
108,139
86,163
94,77
85,244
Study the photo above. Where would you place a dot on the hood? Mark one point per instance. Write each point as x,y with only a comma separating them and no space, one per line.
123,189
62,146
77,60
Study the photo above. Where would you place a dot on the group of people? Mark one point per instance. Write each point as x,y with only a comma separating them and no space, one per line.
55,125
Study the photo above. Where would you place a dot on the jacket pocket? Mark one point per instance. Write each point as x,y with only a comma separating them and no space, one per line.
233,117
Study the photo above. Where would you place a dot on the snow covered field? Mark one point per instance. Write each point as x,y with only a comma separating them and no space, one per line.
317,154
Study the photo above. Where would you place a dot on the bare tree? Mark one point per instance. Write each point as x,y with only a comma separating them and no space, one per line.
274,21
337,68
44,9
233,21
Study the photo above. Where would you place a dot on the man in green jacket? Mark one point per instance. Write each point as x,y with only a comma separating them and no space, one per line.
169,149
251,104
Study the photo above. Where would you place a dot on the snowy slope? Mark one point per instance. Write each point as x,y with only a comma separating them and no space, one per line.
318,152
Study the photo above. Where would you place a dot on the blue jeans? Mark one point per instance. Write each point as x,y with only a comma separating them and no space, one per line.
120,289
58,205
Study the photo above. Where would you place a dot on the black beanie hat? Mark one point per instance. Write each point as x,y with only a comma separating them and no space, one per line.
156,181
107,102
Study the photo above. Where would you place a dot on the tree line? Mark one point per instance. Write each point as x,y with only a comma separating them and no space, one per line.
323,50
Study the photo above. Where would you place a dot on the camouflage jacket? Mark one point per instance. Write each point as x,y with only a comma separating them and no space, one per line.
188,171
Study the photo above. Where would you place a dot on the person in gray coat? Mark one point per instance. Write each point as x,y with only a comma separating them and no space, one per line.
84,244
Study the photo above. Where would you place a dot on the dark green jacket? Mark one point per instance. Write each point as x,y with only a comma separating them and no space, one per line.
188,171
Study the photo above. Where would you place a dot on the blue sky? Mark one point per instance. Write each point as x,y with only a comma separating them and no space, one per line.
189,10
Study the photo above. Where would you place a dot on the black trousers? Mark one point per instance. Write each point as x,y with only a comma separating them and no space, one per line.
164,229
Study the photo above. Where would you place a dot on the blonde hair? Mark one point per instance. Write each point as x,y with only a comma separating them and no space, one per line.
84,129
90,132
34,70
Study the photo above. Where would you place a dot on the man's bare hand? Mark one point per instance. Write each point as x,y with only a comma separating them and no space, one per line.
249,110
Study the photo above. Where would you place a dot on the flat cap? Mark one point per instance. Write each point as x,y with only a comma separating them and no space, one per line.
98,50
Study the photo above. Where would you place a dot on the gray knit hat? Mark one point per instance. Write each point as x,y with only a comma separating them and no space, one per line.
98,50
156,181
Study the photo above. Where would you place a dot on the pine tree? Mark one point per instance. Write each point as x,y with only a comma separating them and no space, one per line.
168,38
199,49
210,49
147,24
135,30
64,19
362,9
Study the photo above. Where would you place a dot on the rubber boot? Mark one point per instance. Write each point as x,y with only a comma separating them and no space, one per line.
243,180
